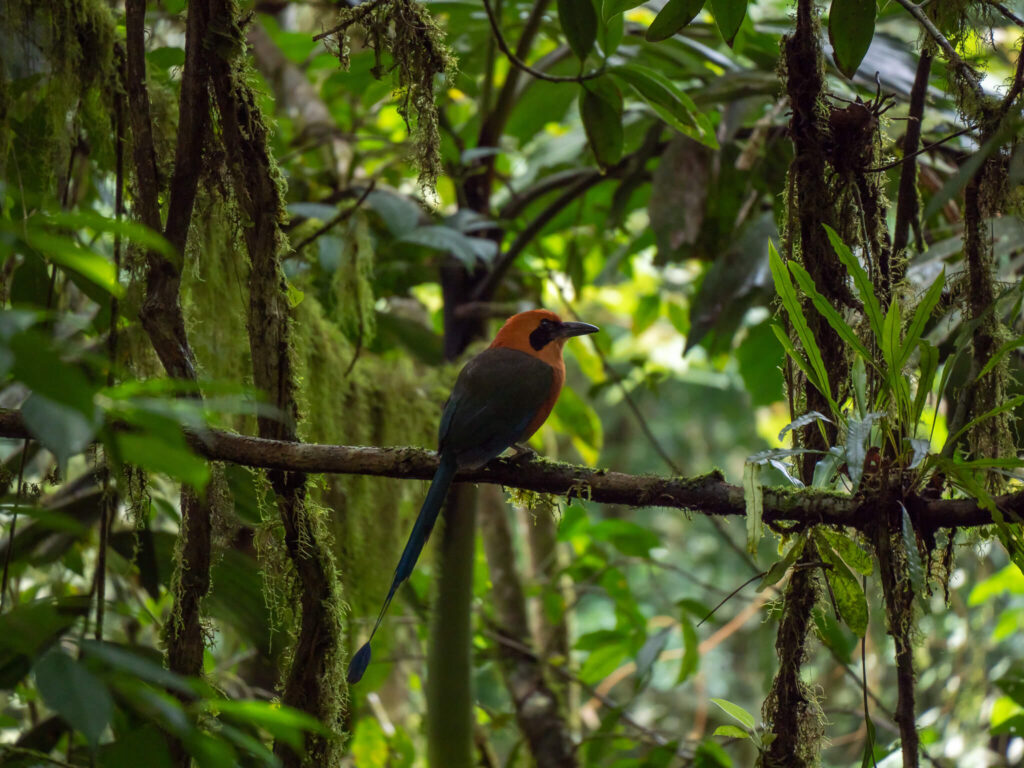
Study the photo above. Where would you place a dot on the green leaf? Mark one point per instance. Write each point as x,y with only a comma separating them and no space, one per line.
791,302
673,16
753,496
671,104
281,722
915,568
42,370
579,23
602,662
159,455
68,254
840,326
851,25
731,732
125,751
850,599
779,568
1009,405
612,8
865,288
601,113
691,650
792,351
1012,683
737,712
929,363
75,693
921,315
848,549
65,431
729,16
1000,354
468,250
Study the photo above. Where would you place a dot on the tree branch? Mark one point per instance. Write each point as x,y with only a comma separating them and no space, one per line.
906,205
706,494
954,58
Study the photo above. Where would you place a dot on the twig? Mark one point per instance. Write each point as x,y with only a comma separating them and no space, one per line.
355,15
338,219
14,525
954,58
921,151
503,46
1006,12
732,594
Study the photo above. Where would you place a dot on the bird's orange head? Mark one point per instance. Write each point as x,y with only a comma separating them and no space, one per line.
540,333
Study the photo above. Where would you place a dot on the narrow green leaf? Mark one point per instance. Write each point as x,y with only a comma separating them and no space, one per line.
579,23
929,363
691,652
729,16
601,112
673,16
915,568
75,693
865,288
731,732
921,315
793,352
851,25
158,455
846,333
736,712
1000,354
753,495
791,302
1009,405
671,104
68,254
803,421
779,568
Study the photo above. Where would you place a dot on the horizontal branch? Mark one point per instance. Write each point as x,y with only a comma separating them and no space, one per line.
706,494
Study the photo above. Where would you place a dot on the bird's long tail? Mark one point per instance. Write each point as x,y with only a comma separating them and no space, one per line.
420,533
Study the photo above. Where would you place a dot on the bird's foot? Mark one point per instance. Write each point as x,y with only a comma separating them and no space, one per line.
522,453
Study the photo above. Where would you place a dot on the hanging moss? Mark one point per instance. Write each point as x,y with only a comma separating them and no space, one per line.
406,30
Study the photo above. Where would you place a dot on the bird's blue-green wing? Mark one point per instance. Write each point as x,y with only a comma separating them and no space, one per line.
495,398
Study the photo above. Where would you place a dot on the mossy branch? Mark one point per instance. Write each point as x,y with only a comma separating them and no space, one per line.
706,494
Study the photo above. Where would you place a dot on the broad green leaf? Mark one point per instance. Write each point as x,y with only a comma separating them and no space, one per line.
865,288
737,712
848,549
136,666
1012,683
672,105
75,693
729,16
64,430
579,23
124,752
159,455
1007,581
753,496
673,16
609,34
850,599
838,639
448,240
281,722
40,368
68,254
791,302
138,233
840,326
614,7
851,25
601,112
602,661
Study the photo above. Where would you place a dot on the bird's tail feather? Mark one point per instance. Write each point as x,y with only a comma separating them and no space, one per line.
413,547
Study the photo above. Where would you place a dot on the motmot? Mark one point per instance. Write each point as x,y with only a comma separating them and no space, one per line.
500,398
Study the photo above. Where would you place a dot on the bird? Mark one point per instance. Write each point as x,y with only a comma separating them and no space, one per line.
500,398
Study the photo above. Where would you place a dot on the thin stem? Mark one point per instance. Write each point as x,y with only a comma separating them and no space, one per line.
921,151
518,62
954,58
338,219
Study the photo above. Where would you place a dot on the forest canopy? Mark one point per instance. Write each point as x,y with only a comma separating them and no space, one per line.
776,516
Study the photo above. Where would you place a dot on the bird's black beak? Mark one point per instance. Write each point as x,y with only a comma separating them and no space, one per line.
567,330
